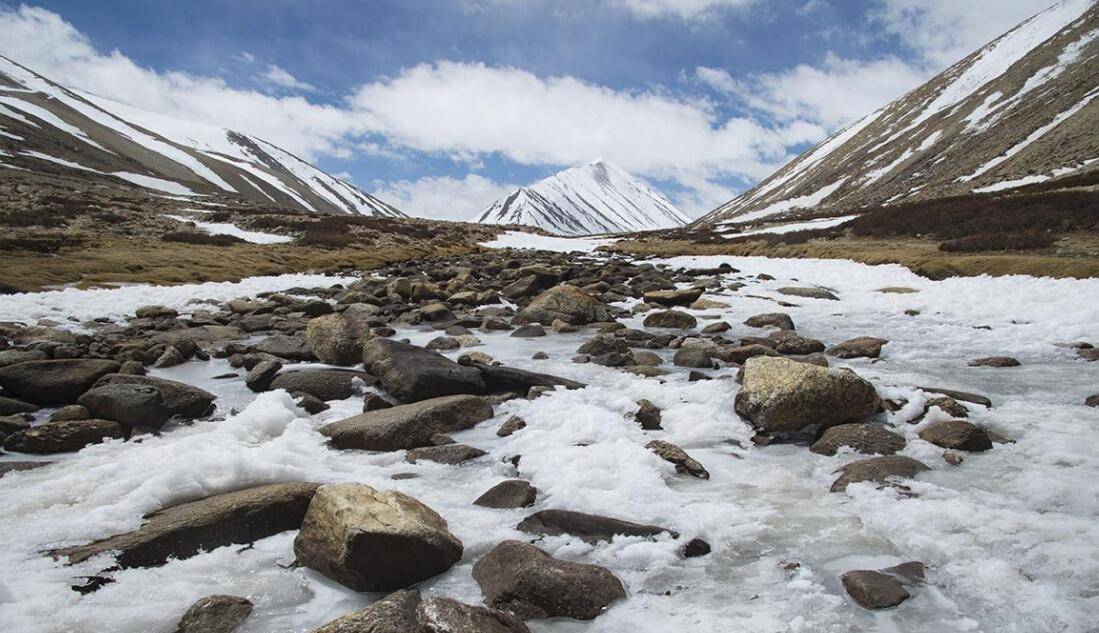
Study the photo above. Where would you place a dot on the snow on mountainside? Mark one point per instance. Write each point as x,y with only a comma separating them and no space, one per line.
45,127
594,198
1021,110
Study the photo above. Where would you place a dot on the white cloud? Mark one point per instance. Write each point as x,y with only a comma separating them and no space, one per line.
945,31
443,197
246,57
278,76
832,95
685,9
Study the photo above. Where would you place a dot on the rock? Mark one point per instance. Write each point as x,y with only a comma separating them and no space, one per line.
12,406
708,304
995,361
882,589
647,359
669,298
897,290
957,435
717,328
602,344
954,458
959,395
170,358
491,323
567,303
776,320
146,401
513,493
469,359
532,330
155,312
948,405
864,438
499,378
529,583
71,413
511,425
292,348
742,353
540,356
443,343
260,376
1092,401
53,382
411,373
648,416
13,424
878,469
16,356
323,384
670,319
312,404
395,613
696,357
215,614
443,615
374,540
1089,354
132,368
684,463
181,531
527,286
860,347
452,454
696,548
15,467
63,437
782,395
374,402
436,313
407,426
590,528
809,293
787,342
336,339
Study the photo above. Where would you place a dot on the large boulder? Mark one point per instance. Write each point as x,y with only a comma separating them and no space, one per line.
396,613
63,436
407,426
783,395
411,373
885,588
590,528
957,435
499,378
324,384
566,303
882,470
529,583
670,319
13,406
443,615
53,382
215,614
336,339
145,401
863,438
374,540
184,530
293,348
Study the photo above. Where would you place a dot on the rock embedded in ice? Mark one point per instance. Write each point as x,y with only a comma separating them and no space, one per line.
532,330
215,614
63,436
443,615
740,354
783,395
874,589
292,348
859,347
1092,401
648,416
995,361
181,531
670,319
957,435
809,293
374,540
529,583
973,398
498,378
881,470
670,298
452,454
436,313
869,439
407,426
53,382
590,528
411,374
14,467
513,493
395,613
791,343
717,328
261,375
696,357
777,320
684,463
948,405
567,303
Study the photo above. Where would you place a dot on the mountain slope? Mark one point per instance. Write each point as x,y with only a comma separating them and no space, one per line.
45,127
594,198
1021,110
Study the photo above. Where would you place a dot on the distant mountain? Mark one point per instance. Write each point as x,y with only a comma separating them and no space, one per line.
594,198
1023,109
45,127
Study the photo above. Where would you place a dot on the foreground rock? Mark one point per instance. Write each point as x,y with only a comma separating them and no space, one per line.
374,540
882,470
53,382
885,588
407,426
565,303
443,615
215,614
144,401
529,583
783,395
513,493
957,435
590,528
863,438
396,613
184,530
412,374
63,436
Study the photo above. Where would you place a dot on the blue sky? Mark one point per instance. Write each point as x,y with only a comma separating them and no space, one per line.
442,106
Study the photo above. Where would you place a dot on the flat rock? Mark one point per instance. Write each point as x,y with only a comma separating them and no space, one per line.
958,435
878,469
859,347
323,384
863,438
882,589
529,583
374,540
513,493
53,382
183,530
261,375
590,528
670,319
498,378
215,614
443,615
995,361
146,401
452,454
411,373
292,348
960,395
63,436
669,298
407,426
13,406
740,353
15,467
809,293
776,320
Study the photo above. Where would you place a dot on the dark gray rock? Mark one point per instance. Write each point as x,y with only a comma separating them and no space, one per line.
670,319
590,528
63,437
215,614
684,463
146,401
499,378
885,588
53,382
669,298
411,373
995,361
809,293
772,319
648,416
452,454
863,438
860,347
513,493
260,376
323,384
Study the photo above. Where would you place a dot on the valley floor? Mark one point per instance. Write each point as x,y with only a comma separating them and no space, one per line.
1010,536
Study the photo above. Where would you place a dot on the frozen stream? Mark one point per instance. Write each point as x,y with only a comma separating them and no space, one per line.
1010,537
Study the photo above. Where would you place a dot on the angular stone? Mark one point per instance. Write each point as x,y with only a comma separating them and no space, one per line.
146,401
53,382
864,438
511,425
529,583
374,540
293,348
787,342
960,395
259,378
407,426
532,330
499,378
336,339
411,373
742,353
684,463
513,493
878,469
13,406
648,416
809,293
590,528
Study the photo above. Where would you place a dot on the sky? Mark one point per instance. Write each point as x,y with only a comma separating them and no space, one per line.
442,106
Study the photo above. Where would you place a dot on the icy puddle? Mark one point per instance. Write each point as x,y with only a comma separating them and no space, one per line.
1010,537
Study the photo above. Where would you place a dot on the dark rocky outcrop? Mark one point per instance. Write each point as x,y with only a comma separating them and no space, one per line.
53,382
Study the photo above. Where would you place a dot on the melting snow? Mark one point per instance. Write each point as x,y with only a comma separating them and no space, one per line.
225,228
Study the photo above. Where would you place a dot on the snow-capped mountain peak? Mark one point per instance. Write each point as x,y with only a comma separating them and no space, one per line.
599,197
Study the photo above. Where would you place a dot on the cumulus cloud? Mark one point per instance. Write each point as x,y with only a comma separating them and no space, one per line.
444,197
278,76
